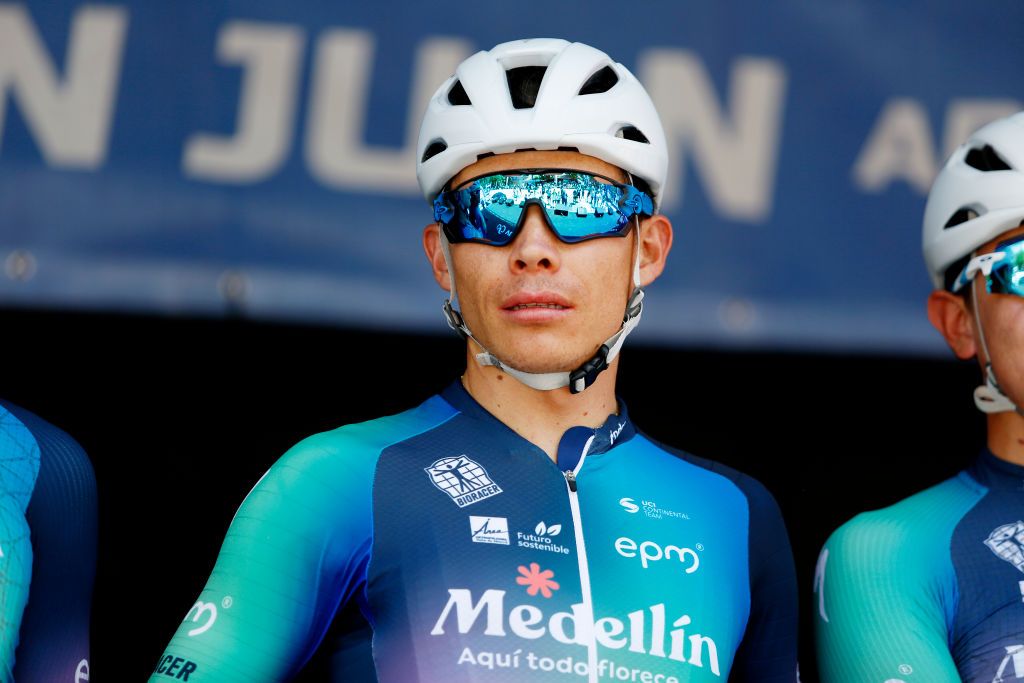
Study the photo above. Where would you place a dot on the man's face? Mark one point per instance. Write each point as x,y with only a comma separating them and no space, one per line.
537,303
1002,317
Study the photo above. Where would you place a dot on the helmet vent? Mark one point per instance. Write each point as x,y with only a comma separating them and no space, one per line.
986,159
524,84
433,149
960,216
602,81
632,133
457,95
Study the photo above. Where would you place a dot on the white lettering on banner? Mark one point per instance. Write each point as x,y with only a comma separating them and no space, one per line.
899,148
736,153
646,635
335,152
271,57
901,145
70,118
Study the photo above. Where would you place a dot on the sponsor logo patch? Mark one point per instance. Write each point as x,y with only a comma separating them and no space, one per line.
542,538
489,529
463,479
1007,542
650,509
650,552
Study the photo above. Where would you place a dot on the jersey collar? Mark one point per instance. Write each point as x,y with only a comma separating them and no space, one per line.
996,473
616,429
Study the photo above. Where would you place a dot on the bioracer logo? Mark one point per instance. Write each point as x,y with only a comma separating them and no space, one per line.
1007,542
463,479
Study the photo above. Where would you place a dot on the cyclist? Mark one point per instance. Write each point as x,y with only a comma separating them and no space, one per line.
47,551
930,589
515,527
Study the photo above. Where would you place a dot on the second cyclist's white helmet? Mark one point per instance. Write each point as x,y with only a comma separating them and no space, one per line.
978,195
586,102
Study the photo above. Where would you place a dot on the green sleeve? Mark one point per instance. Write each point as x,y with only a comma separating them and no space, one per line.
19,470
294,551
16,559
886,592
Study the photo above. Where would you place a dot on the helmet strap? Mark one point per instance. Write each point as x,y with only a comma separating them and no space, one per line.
586,374
988,397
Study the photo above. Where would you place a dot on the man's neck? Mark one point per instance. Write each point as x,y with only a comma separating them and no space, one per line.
1006,436
540,417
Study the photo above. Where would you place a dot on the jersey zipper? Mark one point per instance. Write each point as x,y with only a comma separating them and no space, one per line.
581,557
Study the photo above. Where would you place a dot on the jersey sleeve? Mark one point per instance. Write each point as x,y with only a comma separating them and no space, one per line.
296,549
16,556
62,516
885,593
768,652
19,468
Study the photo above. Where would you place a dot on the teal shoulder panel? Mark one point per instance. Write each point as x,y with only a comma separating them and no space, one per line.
296,550
887,590
19,469
19,459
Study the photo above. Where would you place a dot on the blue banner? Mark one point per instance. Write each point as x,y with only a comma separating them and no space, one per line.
256,157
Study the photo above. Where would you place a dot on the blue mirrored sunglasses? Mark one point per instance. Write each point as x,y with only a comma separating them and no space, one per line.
1003,268
577,206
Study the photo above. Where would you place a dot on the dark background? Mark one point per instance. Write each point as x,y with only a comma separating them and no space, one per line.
181,416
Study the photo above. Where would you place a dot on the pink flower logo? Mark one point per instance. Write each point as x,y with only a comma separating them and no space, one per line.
537,580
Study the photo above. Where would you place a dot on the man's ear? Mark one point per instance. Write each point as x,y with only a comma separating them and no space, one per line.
435,255
954,320
655,243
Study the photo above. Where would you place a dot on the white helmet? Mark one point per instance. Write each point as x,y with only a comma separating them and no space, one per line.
586,101
978,195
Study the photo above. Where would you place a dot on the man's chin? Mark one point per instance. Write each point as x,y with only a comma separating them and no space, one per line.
537,361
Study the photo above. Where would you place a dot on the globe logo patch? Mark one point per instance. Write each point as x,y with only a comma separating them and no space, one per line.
463,479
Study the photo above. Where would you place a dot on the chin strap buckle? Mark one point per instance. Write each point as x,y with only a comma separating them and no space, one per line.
454,319
585,375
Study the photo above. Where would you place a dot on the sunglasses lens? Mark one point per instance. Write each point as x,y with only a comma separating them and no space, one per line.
578,206
1008,276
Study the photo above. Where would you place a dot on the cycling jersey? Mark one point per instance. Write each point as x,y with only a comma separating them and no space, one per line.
475,557
47,550
929,589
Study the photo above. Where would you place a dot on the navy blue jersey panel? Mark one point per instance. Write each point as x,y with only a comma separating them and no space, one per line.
62,518
988,554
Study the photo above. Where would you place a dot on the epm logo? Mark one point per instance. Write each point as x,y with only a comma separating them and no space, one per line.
463,479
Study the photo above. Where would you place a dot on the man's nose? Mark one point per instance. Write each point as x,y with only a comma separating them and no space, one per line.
535,248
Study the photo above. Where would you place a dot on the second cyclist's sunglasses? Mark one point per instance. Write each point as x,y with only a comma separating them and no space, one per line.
1003,268
577,206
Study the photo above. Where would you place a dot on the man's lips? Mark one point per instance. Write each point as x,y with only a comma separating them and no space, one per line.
536,307
536,300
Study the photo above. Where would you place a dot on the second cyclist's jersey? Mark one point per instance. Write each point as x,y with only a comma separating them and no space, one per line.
931,588
475,557
47,550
